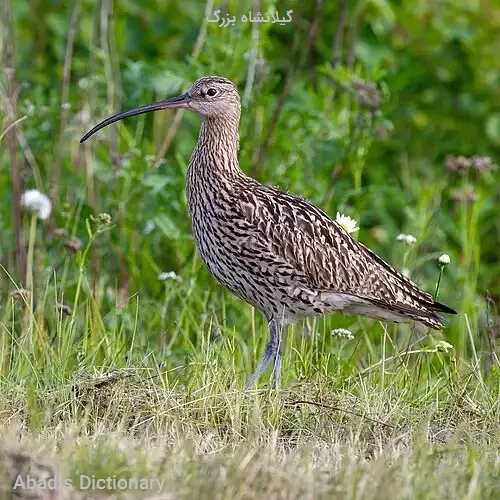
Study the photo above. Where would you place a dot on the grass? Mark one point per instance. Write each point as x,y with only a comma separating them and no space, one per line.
356,419
214,445
108,371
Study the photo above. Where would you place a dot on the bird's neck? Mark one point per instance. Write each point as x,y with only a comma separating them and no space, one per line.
216,153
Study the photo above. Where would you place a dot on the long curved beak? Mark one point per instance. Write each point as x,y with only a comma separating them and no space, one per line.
181,101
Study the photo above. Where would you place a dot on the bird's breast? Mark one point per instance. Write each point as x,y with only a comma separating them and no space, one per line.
227,246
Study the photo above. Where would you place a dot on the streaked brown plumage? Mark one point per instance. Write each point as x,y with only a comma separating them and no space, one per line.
278,252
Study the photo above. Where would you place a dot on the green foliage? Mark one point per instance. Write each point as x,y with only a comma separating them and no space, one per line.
368,137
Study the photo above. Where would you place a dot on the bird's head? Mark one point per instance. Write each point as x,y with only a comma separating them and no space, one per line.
210,96
214,96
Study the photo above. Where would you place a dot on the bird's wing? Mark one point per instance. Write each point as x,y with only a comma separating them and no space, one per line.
324,256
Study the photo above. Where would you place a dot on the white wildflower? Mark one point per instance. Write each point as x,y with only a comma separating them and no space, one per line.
407,239
103,218
170,275
347,223
342,332
37,203
444,260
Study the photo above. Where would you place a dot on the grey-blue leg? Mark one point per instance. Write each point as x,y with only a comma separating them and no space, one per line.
272,353
275,377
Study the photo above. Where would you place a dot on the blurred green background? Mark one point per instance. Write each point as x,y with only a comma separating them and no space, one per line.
363,107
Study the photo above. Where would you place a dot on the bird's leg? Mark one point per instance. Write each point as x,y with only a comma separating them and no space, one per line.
275,377
271,353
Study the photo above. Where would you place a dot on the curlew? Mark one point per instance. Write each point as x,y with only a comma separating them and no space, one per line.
276,251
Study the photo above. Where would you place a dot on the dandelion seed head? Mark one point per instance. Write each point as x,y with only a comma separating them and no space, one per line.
407,239
347,223
444,259
36,203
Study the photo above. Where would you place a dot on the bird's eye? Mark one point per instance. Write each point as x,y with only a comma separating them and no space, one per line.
211,92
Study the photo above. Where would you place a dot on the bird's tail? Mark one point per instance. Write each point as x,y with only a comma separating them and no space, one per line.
425,313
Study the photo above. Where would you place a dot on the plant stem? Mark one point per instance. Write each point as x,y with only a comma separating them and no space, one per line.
29,274
441,269
31,252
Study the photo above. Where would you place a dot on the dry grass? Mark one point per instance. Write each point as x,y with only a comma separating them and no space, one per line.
210,444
